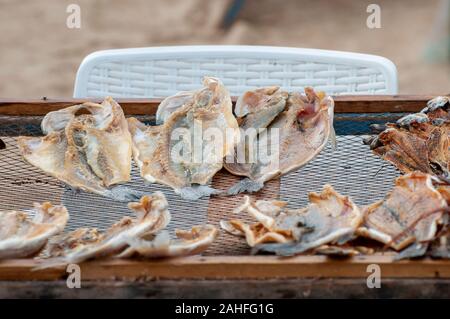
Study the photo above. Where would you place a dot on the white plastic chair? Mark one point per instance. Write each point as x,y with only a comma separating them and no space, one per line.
164,71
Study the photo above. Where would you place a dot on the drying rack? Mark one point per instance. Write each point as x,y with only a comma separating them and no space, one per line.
226,268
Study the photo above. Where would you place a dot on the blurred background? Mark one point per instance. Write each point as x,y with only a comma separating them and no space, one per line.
39,54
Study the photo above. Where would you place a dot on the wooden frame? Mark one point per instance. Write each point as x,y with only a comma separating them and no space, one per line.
232,267
343,104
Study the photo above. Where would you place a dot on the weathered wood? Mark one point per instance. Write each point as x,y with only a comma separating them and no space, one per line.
251,289
227,267
343,104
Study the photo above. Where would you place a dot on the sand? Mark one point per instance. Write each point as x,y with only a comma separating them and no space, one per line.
39,55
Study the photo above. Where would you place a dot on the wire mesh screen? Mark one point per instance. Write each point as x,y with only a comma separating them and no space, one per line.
352,169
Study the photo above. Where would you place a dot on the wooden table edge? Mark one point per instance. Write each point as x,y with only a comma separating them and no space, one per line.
343,104
233,267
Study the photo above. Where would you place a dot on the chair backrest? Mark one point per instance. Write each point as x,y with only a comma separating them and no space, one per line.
164,71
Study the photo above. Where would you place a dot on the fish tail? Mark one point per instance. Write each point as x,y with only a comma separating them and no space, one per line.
197,192
245,185
123,194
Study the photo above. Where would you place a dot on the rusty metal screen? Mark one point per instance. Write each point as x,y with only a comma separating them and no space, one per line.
352,170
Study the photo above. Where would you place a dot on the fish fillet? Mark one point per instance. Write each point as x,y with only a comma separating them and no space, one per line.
180,153
191,242
152,215
412,196
329,218
294,138
22,236
255,110
86,151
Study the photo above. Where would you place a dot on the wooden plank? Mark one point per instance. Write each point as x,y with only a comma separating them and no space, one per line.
297,288
343,104
233,267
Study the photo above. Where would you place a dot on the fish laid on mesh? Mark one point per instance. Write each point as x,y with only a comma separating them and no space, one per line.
180,153
143,235
418,142
297,127
330,218
412,219
90,151
24,234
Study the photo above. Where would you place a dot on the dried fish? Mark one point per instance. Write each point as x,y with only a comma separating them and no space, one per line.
303,128
143,236
255,111
86,151
188,242
179,153
2,144
22,236
80,245
412,196
418,142
329,218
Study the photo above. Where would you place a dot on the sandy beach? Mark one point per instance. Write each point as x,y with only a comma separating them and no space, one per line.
39,55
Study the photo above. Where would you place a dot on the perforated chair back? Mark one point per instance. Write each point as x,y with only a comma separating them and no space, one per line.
164,71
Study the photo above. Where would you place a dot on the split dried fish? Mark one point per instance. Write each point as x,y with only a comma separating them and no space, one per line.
304,128
144,236
412,196
22,236
418,142
255,110
152,215
258,108
178,153
330,218
188,242
86,151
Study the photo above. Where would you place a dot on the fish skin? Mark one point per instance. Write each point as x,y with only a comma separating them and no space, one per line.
190,242
88,151
22,236
173,103
153,146
305,126
152,215
412,196
254,110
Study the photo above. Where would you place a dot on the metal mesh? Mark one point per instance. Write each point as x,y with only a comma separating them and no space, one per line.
352,169
21,184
